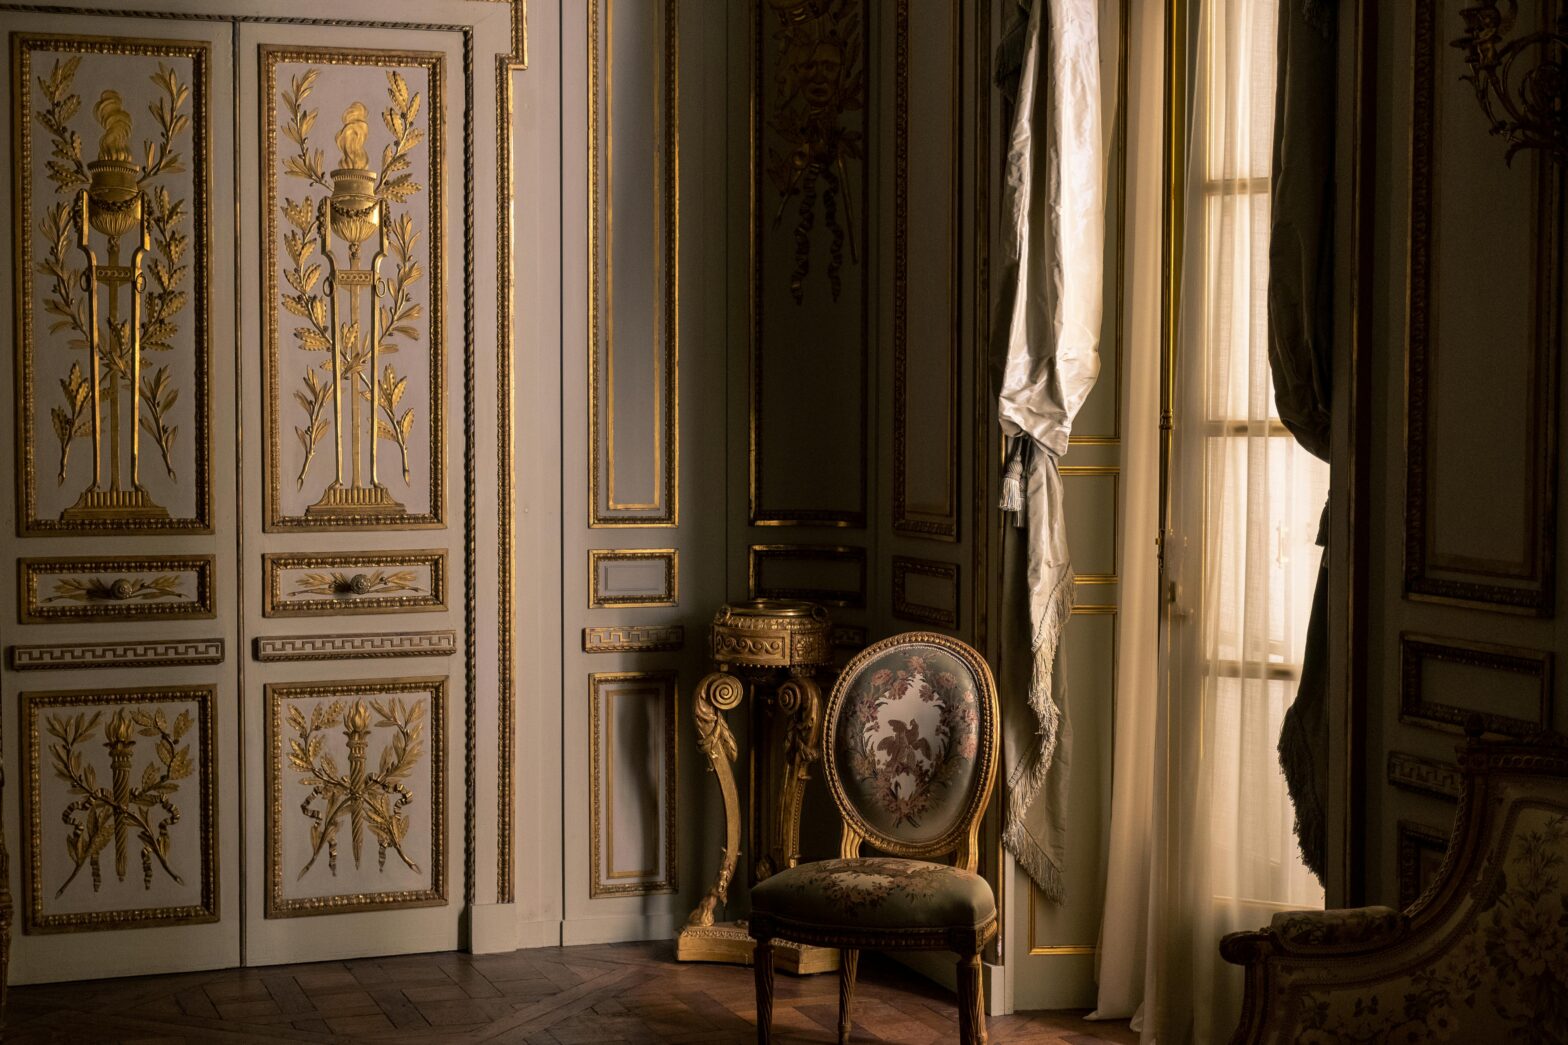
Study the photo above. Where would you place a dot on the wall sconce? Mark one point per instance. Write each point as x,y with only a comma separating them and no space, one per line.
1525,103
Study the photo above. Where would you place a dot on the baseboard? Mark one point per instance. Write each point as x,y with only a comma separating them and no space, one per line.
941,968
492,928
621,928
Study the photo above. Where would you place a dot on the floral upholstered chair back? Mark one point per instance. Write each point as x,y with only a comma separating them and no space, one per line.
912,739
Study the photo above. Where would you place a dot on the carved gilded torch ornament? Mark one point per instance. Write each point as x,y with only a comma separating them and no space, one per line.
110,198
1521,82
353,313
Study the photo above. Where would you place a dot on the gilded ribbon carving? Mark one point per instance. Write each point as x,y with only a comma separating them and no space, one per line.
351,294
113,200
717,693
820,76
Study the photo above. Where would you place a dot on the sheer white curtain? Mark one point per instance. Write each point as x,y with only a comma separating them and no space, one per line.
1240,567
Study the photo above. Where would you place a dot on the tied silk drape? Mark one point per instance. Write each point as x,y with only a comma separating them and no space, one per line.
1052,255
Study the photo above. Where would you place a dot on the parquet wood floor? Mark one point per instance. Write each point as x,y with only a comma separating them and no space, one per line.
596,995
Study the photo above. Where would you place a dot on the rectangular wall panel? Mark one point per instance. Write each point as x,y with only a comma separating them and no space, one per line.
633,781
809,440
634,263
834,575
926,591
1481,425
1442,682
927,267
635,577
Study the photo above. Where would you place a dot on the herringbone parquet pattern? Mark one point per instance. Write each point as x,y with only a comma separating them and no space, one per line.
559,996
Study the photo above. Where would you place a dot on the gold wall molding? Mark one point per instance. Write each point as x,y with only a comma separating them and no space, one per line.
607,879
370,646
136,392
371,209
932,521
1424,775
179,653
155,793
140,587
1417,707
606,506
1475,579
361,821
603,560
634,638
905,608
353,583
760,555
808,130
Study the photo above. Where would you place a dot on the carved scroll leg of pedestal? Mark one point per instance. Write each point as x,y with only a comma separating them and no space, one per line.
801,699
716,694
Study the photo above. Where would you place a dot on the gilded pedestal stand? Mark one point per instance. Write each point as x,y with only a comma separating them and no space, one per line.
757,646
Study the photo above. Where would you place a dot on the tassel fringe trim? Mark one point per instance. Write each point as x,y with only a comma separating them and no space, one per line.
1029,778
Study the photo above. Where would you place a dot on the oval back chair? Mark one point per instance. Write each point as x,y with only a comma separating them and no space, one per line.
911,762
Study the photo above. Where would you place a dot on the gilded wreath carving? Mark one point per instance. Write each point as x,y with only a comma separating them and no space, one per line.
99,815
820,77
371,800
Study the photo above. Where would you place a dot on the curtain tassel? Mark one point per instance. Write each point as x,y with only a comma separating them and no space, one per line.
1013,470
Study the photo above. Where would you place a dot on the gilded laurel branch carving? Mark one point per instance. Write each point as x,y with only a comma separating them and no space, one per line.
103,815
114,195
359,202
820,77
372,800
377,582
121,589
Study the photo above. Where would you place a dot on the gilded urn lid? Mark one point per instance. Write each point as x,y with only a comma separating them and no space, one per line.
772,633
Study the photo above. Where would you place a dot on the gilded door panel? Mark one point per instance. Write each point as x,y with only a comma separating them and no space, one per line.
354,163
119,666
112,183
370,171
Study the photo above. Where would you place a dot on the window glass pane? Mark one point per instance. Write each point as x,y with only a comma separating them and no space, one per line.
1240,92
1235,308
1259,582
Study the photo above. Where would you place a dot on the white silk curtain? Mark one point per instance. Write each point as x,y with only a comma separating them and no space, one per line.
1240,565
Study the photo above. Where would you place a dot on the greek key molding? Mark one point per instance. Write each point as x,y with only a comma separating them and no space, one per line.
117,655
1426,775
356,647
634,638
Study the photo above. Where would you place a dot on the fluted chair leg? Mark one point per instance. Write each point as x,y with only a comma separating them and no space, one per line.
971,1001
848,962
762,962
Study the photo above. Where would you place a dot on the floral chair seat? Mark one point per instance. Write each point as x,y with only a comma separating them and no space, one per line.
877,892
